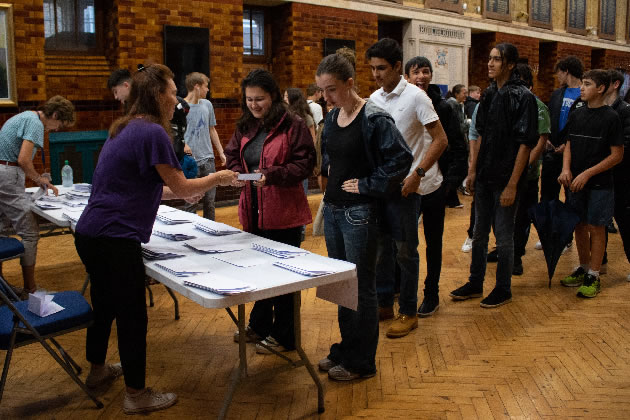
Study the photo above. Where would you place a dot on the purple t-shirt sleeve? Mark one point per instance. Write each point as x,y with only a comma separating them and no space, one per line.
156,149
126,187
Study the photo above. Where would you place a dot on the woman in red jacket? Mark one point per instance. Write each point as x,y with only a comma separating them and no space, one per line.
270,140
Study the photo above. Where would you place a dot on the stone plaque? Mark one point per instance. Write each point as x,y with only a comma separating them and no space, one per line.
607,13
540,13
450,5
576,16
497,9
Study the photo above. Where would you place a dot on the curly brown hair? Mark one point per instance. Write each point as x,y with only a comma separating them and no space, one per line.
63,109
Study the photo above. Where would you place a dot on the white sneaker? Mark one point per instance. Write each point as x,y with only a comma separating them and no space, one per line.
628,278
148,400
108,373
538,245
270,342
467,247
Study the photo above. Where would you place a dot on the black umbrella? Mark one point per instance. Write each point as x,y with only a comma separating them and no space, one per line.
555,224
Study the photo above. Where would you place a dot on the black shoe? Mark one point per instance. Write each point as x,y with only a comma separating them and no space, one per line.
467,291
493,256
611,228
496,298
429,306
517,269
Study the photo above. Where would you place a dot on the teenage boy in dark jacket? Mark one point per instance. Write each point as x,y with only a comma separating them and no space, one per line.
507,121
594,145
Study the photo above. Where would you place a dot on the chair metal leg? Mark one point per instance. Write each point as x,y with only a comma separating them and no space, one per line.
7,361
68,368
175,302
85,284
67,357
297,325
150,295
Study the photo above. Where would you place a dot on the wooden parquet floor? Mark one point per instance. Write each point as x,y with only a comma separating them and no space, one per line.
548,354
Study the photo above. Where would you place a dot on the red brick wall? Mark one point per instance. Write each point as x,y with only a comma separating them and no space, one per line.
482,44
607,59
545,83
140,35
28,20
311,24
550,54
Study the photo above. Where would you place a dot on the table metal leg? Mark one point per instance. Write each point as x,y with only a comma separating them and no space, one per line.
297,325
85,284
175,302
241,371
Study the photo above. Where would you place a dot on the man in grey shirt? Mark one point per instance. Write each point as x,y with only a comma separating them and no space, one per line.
201,135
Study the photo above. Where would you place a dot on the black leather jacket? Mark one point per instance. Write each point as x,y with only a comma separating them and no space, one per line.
388,153
507,117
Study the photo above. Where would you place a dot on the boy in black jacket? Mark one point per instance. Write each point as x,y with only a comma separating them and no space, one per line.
594,145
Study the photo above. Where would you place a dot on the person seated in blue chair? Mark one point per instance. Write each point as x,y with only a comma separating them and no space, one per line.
20,136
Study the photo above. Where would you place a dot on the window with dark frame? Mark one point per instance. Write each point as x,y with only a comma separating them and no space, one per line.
607,19
497,9
576,17
72,25
540,14
253,32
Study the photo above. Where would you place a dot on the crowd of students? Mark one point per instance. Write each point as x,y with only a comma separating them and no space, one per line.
384,163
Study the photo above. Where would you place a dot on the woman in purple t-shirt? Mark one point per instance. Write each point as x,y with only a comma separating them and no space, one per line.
137,168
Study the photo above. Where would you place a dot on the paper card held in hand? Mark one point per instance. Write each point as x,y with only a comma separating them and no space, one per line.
42,304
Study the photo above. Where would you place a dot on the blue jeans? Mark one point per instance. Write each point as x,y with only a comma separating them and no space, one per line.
487,206
351,234
405,253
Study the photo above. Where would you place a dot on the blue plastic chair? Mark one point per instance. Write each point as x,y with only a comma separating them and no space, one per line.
19,327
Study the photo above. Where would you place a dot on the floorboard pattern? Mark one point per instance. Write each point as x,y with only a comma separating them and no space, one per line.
548,354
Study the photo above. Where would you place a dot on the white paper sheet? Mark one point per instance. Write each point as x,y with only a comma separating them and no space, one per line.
42,304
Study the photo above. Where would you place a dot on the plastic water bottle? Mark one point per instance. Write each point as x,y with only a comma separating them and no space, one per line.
66,175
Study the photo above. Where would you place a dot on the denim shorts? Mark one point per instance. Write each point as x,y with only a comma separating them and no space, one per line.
595,207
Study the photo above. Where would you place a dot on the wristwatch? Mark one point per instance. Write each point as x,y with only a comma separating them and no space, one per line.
420,171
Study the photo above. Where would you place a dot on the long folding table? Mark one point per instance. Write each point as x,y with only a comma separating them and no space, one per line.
268,279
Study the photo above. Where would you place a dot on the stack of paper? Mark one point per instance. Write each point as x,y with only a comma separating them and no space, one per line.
75,203
47,205
51,198
181,268
279,251
215,228
206,248
171,216
306,267
220,285
72,214
82,187
77,195
172,236
159,252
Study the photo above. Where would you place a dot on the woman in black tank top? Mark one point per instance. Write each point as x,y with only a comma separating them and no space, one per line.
365,159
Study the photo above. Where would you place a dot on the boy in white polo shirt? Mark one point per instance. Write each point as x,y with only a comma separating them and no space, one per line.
420,126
